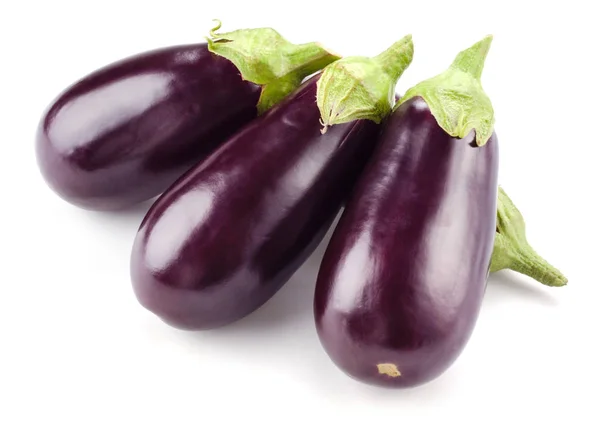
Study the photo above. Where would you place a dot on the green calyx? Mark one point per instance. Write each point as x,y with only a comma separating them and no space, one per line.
264,57
512,251
360,87
456,98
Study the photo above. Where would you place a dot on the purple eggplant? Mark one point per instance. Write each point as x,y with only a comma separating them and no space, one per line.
227,235
124,133
402,280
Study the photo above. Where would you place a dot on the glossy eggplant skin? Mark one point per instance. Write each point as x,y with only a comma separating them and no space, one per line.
402,280
225,237
124,133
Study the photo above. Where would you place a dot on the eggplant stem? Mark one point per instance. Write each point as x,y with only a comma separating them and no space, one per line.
513,251
472,59
530,263
456,98
357,87
267,59
213,31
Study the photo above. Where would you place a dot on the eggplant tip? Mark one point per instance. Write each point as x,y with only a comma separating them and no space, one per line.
562,281
333,53
324,125
388,369
217,26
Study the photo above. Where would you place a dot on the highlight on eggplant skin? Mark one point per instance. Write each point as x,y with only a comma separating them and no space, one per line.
228,234
124,133
402,280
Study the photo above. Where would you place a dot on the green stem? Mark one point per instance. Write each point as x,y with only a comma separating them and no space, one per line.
360,87
394,61
512,250
456,98
265,58
472,60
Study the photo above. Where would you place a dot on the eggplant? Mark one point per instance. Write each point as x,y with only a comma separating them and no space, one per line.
402,279
124,133
226,236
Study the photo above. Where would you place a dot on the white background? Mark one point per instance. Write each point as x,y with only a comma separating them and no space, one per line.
79,355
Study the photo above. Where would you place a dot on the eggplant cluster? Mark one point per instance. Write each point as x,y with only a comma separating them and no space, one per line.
251,155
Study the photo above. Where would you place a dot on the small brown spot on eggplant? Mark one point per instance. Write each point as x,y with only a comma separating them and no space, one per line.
388,369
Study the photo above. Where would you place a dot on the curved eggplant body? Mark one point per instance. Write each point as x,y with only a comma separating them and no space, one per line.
402,280
123,134
228,234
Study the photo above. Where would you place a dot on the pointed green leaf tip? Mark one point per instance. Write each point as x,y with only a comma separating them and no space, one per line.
512,251
456,98
264,57
360,87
